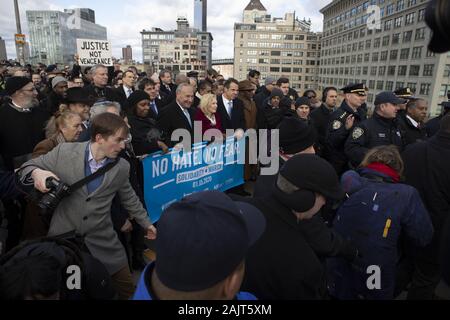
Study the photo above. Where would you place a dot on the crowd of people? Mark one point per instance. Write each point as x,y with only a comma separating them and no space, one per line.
357,186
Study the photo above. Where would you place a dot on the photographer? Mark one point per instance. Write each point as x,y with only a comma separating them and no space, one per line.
87,210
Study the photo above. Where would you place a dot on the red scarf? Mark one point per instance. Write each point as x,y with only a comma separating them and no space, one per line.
385,169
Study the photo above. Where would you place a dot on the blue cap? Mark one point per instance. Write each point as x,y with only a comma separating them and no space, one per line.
203,238
388,97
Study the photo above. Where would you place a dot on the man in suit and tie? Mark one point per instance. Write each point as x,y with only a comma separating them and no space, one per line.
156,105
126,89
87,210
230,108
167,87
231,111
178,115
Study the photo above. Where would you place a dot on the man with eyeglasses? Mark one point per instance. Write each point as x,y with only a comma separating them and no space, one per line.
21,129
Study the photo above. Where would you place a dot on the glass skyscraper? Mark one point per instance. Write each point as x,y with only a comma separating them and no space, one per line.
200,12
53,34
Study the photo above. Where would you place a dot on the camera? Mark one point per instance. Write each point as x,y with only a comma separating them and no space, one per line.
50,200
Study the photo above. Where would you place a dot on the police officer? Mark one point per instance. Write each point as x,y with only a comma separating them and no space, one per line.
404,93
342,121
433,125
381,129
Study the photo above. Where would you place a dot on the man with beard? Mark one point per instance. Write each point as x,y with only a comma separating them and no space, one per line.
21,129
57,96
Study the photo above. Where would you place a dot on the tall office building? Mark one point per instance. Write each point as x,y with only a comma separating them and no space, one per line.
182,50
3,55
385,59
127,54
53,34
276,47
200,15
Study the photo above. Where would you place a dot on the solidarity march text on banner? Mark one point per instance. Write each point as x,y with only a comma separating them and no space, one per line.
170,177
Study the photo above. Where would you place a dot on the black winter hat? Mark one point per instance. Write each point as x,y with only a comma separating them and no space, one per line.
137,96
286,103
14,84
303,101
276,93
310,172
78,95
295,135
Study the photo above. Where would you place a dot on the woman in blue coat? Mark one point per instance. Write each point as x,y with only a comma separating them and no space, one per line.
377,210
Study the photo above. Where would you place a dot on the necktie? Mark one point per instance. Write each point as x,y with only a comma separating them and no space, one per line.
186,113
230,107
129,92
154,108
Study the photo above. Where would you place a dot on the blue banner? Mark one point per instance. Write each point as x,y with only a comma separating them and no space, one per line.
172,176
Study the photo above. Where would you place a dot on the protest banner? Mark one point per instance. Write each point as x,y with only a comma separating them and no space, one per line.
170,177
92,52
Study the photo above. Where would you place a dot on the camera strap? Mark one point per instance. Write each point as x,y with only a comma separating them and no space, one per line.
93,176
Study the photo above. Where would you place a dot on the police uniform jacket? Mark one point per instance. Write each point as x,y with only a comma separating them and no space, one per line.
337,134
321,118
374,132
373,217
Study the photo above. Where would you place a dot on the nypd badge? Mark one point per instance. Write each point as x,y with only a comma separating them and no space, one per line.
357,133
337,125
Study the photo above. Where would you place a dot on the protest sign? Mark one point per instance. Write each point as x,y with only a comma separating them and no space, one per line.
170,177
92,52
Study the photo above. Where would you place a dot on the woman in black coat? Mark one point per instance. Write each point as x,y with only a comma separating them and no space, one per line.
146,137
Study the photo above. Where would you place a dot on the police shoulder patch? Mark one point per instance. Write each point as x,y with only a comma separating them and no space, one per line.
337,124
357,133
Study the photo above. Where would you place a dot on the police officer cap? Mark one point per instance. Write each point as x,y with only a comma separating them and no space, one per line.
446,104
404,93
358,88
388,97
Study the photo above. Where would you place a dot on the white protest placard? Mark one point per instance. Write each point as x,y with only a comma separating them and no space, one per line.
92,52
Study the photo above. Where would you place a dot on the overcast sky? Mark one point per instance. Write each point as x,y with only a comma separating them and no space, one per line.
124,20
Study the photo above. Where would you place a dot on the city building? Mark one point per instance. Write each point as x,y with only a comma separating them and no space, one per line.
391,57
3,55
276,47
53,34
224,67
182,50
200,15
127,54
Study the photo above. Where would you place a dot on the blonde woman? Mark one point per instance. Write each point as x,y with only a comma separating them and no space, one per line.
207,113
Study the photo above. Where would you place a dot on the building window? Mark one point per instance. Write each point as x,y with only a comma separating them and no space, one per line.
366,57
393,55
412,86
380,85
365,70
414,70
375,57
400,5
404,54
386,41
398,22
417,53
368,43
407,35
428,70
444,90
425,89
430,54
421,15
376,43
389,85
390,9
387,25
384,55
399,84
412,3
373,71
372,84
382,70
420,34
410,18
274,69
395,38
447,71
391,71
402,70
